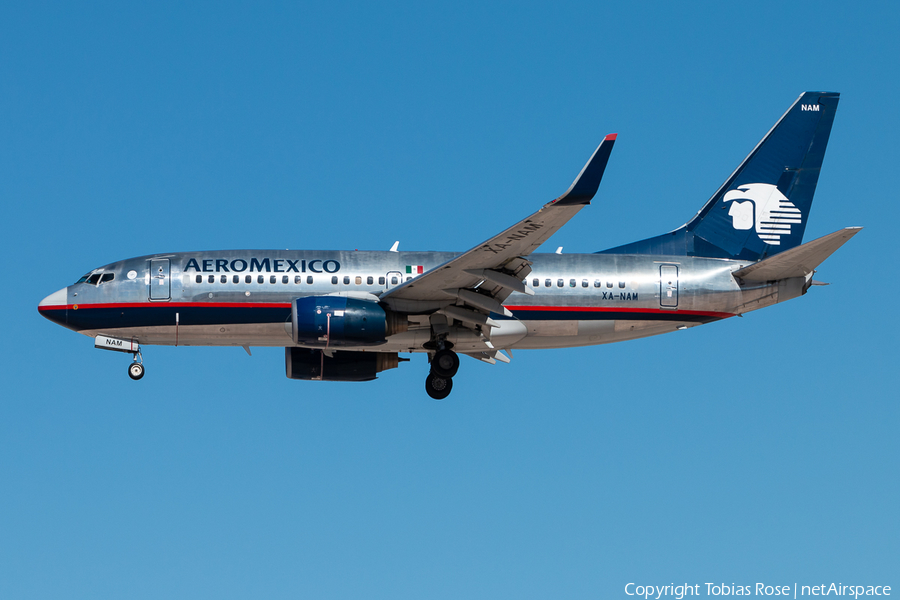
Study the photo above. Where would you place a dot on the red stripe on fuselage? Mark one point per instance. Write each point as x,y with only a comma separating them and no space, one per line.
610,309
175,304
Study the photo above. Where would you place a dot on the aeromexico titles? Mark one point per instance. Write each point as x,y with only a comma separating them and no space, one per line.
346,316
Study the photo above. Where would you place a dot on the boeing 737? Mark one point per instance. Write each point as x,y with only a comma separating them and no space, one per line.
349,315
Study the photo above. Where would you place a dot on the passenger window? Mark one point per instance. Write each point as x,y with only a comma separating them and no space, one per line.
94,279
309,279
409,278
236,279
609,284
621,284
334,280
224,278
358,280
370,280
571,283
597,283
107,277
297,278
285,279
547,283
272,279
536,282
394,280
346,280
584,283
212,278
260,279
381,281
248,279
560,282
199,279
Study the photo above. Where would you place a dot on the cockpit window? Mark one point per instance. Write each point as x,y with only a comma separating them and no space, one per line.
107,277
83,279
93,279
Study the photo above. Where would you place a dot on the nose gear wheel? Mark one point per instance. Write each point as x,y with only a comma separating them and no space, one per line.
136,370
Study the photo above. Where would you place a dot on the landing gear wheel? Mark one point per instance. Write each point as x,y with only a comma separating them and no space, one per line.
438,387
135,371
445,363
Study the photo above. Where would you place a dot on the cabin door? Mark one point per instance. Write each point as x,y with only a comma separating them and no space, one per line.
159,279
668,286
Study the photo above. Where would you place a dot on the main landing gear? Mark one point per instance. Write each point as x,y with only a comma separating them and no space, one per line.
444,366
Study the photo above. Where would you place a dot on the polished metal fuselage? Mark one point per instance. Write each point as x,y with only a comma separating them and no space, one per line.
243,297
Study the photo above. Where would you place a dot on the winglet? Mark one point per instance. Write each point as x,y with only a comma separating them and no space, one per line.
586,184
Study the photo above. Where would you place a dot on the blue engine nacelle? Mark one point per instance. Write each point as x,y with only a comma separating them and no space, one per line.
337,321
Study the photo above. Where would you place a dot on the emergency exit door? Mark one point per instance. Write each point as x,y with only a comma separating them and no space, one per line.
668,286
159,279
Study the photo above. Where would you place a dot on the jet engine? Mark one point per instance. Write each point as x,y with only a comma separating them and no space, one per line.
336,321
309,363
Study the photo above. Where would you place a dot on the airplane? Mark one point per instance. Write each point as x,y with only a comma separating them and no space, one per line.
348,315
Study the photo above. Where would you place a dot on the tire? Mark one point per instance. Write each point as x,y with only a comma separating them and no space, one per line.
135,371
445,363
438,387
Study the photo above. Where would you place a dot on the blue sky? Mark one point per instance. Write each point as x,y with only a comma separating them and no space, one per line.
760,449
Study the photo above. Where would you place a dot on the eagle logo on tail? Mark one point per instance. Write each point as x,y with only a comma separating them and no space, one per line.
763,206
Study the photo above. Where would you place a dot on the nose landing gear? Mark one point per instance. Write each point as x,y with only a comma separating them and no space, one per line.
444,366
136,368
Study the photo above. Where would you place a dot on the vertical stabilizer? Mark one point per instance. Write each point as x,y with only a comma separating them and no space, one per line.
763,207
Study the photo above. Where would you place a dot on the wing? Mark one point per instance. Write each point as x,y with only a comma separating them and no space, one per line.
479,280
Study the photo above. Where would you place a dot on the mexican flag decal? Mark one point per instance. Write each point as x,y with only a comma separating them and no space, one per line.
414,269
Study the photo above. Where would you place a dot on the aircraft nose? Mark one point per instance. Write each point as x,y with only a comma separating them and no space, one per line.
54,306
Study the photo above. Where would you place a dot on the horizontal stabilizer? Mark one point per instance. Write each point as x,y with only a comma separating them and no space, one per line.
799,261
